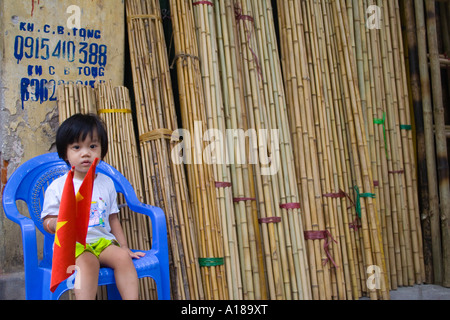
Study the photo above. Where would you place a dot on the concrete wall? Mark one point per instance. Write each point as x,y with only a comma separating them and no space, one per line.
43,44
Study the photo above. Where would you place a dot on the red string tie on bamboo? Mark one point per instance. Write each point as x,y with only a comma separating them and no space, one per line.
340,194
242,17
209,3
269,220
292,205
220,184
355,225
319,235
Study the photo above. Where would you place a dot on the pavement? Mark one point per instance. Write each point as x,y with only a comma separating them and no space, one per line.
12,287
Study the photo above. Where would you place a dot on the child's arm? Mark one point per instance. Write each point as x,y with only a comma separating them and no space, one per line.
117,231
49,223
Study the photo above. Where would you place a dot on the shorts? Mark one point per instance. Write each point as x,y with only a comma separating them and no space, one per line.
95,248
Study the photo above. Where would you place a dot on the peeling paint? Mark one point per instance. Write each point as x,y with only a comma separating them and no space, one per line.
4,174
32,5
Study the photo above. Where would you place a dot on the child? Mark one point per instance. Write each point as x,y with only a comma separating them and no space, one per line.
79,140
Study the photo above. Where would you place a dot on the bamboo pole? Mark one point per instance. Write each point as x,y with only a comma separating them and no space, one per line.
429,142
441,140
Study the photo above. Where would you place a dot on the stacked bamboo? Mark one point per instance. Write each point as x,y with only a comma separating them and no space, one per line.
199,172
384,93
334,139
232,224
164,180
114,107
331,148
75,98
242,171
275,177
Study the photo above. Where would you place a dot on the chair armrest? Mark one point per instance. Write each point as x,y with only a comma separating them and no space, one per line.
159,228
29,241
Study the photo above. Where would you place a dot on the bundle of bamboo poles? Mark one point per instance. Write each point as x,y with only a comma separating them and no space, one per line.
384,94
242,171
164,179
275,180
199,172
113,106
75,98
331,148
235,247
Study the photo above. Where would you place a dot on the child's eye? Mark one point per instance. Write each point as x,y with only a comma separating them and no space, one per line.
75,147
93,146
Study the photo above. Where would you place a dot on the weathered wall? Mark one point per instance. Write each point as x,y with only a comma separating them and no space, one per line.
43,44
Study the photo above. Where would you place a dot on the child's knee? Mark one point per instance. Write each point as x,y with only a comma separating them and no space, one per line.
122,258
125,257
88,261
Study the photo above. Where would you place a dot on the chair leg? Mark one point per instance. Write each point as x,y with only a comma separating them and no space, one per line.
113,292
162,291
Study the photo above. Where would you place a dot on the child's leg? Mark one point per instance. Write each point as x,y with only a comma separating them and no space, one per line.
87,277
125,273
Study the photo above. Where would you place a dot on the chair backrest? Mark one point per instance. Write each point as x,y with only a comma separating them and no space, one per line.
35,176
31,179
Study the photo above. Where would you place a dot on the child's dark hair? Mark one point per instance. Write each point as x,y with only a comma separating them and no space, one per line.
76,128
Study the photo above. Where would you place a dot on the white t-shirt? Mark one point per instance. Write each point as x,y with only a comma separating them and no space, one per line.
104,203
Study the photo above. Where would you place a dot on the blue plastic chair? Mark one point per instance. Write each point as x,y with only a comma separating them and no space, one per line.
29,182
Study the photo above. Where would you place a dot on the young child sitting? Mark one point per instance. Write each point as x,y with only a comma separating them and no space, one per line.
79,140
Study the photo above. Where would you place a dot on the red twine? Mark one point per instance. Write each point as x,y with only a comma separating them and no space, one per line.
209,3
270,220
318,235
340,194
292,205
222,184
241,17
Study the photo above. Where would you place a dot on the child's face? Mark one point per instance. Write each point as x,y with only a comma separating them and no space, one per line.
81,154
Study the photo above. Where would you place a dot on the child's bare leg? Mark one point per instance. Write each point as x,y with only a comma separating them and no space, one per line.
87,277
125,273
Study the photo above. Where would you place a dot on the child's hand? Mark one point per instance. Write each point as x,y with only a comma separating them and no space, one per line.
135,255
